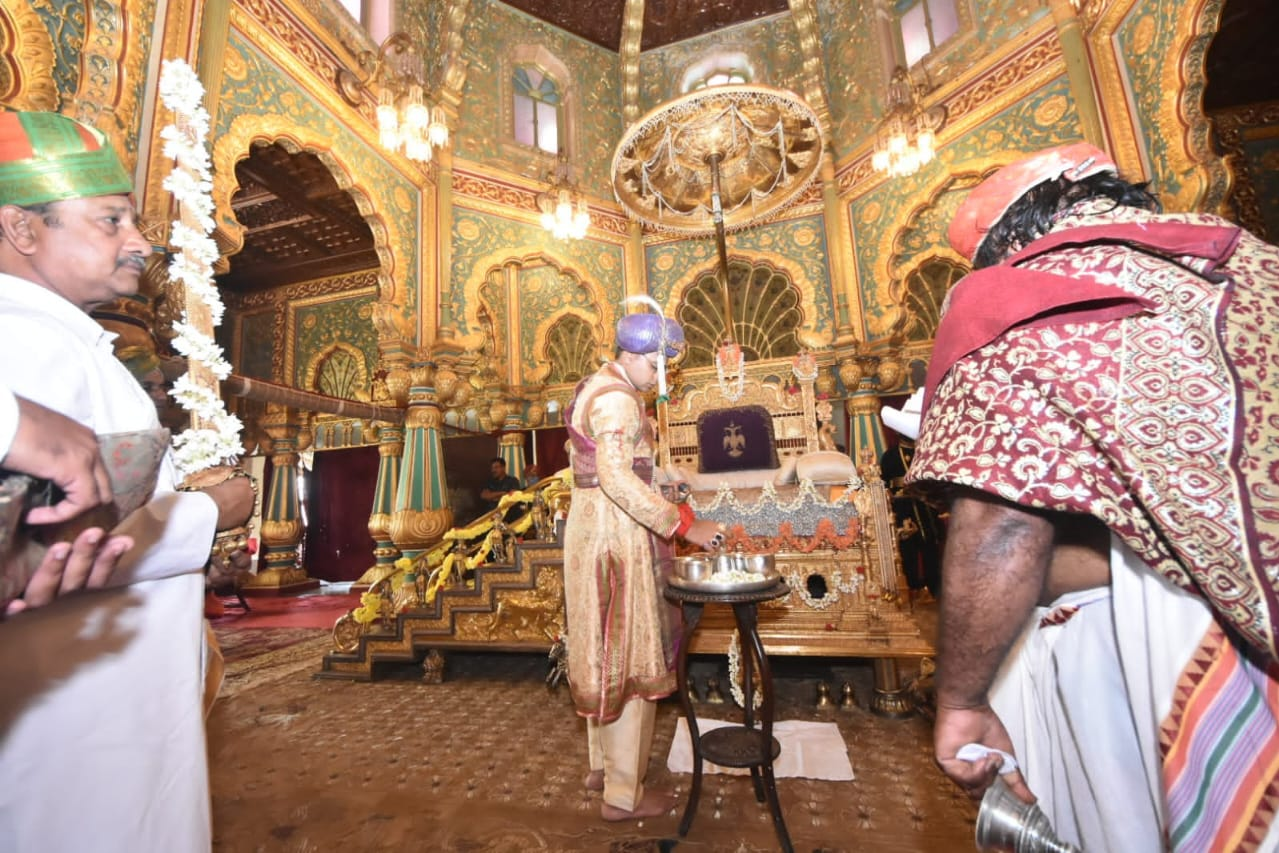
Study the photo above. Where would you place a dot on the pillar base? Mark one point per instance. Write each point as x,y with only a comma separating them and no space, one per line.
279,582
888,698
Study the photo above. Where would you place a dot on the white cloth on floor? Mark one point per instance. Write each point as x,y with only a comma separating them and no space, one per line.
809,750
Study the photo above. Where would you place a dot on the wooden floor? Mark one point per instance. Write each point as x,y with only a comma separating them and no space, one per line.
493,760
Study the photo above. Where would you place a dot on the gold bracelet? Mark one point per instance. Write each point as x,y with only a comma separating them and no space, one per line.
239,471
227,542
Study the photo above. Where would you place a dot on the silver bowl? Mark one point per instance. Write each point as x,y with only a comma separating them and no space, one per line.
704,572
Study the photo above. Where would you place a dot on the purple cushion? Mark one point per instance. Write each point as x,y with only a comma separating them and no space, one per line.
735,439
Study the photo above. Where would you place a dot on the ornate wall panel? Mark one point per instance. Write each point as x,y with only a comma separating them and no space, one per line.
851,50
1250,136
316,324
494,29
917,209
536,295
263,101
546,295
483,242
1150,65
797,246
269,315
770,44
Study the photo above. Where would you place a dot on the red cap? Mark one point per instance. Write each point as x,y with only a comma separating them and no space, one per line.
990,199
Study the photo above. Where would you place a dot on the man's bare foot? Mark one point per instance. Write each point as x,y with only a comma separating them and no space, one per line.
594,781
653,804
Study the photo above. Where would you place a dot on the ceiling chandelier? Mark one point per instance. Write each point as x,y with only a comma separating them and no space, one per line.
406,119
718,159
564,210
907,135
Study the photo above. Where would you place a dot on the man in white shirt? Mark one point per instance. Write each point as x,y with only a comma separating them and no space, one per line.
101,723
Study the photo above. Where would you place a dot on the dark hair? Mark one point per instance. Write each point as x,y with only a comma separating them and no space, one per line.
498,460
44,210
1034,214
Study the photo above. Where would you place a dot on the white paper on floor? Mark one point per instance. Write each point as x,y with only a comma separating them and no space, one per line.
809,750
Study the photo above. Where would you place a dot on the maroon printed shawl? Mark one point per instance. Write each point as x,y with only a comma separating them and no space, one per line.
1128,371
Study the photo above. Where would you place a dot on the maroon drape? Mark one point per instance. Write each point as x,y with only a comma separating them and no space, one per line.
339,499
551,453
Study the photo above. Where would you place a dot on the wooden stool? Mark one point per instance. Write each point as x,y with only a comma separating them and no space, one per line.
734,746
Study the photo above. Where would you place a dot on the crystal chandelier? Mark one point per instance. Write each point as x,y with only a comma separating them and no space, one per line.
407,121
907,135
564,210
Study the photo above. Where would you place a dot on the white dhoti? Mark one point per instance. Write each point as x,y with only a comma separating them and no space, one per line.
1082,696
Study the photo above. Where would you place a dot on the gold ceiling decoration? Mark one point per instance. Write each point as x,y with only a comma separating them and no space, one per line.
761,145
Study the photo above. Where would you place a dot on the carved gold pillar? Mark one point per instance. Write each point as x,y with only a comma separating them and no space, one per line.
278,567
510,446
863,408
1074,52
422,514
442,326
839,240
390,450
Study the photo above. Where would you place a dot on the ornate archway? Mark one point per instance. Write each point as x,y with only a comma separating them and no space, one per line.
391,239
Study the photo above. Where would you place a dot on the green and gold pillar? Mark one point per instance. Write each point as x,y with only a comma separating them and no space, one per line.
1074,52
868,433
510,446
422,513
390,451
278,568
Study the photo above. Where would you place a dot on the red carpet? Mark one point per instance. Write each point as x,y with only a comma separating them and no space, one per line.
286,611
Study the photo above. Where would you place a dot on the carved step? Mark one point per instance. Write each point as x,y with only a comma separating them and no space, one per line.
510,607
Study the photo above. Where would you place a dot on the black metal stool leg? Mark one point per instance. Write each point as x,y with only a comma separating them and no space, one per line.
692,614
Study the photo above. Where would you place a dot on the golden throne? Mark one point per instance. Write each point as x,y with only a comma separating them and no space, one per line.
827,520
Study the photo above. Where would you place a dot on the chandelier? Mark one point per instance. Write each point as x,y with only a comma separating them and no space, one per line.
719,159
406,119
564,210
907,135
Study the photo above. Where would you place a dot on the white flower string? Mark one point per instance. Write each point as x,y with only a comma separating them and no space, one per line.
215,439
735,675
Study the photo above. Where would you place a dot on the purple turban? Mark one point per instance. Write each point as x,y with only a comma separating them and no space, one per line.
642,333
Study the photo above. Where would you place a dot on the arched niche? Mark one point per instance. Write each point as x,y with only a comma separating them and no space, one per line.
915,238
493,263
790,269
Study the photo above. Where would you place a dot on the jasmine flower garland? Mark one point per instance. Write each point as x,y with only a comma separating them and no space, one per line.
215,437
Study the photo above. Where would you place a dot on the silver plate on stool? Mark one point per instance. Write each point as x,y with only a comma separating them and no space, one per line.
698,572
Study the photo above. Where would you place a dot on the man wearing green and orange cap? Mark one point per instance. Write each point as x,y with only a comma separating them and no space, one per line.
1101,412
101,724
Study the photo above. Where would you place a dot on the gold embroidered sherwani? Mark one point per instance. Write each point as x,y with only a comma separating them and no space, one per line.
620,638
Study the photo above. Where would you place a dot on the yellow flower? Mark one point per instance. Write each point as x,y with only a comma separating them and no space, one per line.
370,607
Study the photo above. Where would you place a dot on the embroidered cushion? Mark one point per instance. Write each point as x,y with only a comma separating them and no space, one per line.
736,439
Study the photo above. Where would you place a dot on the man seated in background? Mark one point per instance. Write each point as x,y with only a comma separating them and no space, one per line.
499,484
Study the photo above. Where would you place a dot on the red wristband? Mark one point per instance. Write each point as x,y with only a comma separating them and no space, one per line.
686,519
